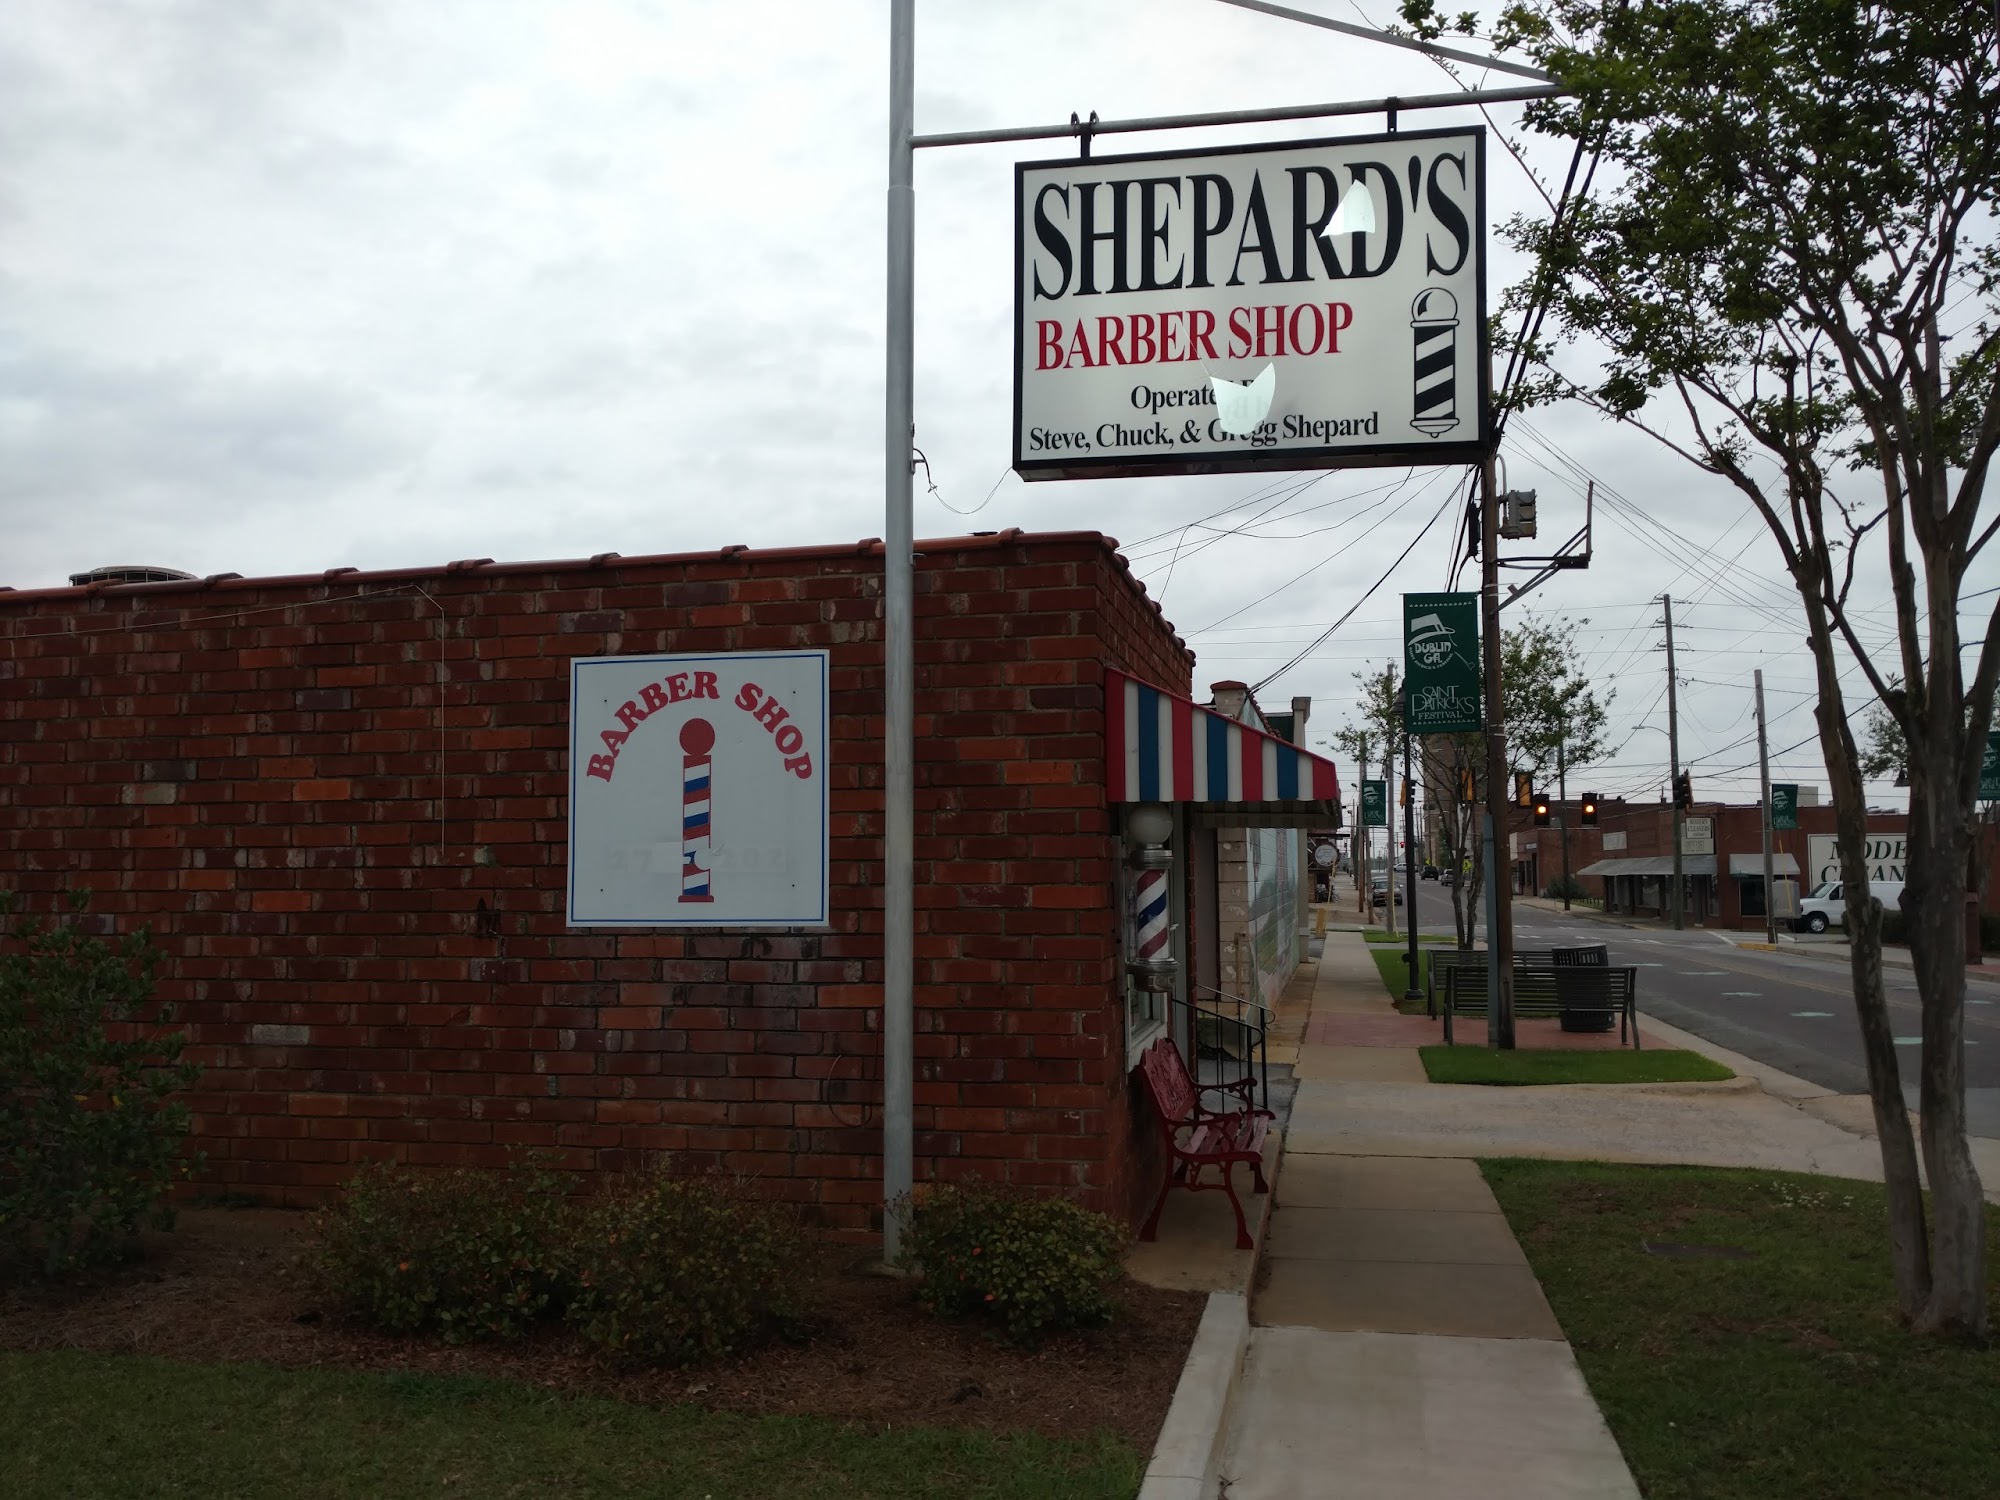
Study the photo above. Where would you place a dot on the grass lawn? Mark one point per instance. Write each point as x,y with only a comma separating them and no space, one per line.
74,1424
1553,1065
1391,955
1779,1375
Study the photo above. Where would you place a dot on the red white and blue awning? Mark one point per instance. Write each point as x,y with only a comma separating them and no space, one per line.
1161,747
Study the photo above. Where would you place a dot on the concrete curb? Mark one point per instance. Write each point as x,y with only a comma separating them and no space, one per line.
1189,1451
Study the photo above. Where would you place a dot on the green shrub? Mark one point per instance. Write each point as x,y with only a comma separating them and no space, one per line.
468,1254
675,1270
1896,929
91,1132
1032,1263
1556,889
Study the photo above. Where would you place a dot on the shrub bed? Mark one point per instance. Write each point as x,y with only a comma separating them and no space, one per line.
1032,1264
662,1270
92,1128
674,1271
466,1254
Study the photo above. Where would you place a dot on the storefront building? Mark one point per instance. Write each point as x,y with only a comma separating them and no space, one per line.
346,805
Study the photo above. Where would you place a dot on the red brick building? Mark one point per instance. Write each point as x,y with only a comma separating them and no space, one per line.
340,801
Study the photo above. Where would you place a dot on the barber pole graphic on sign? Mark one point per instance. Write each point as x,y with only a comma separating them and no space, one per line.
697,739
698,790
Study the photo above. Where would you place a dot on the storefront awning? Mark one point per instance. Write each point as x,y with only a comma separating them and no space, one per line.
1652,864
1161,747
1751,866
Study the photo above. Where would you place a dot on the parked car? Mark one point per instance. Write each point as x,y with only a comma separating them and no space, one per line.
1827,906
1380,892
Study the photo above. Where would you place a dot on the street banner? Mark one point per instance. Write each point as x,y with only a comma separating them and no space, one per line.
698,790
1989,769
1374,804
1303,305
1441,666
1784,805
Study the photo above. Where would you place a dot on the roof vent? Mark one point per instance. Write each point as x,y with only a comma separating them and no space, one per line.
130,573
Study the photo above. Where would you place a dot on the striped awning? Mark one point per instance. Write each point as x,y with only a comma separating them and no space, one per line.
1161,747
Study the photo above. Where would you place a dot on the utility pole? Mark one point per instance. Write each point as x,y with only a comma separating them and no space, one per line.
1674,764
899,652
1499,899
1764,782
1562,812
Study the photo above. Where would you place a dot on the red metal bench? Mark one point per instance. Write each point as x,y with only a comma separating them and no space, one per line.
1197,1137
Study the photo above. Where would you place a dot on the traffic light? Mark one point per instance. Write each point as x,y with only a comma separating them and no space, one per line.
1468,793
1586,813
1684,790
1524,789
1541,812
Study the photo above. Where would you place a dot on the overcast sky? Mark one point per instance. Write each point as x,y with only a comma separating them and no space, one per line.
294,284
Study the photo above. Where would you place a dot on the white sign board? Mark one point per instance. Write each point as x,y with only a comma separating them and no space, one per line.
698,790
1317,304
1697,835
1885,853
1325,855
1613,841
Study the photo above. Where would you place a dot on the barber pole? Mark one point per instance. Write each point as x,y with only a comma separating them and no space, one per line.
697,740
1149,913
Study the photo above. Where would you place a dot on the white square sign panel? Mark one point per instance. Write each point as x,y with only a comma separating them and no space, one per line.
1308,304
698,790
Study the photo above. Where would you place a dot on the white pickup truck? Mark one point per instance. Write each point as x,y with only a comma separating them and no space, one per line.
1827,906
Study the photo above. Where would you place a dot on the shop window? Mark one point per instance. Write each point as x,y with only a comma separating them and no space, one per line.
1750,895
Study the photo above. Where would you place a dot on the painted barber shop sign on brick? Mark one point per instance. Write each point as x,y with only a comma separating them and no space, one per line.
698,790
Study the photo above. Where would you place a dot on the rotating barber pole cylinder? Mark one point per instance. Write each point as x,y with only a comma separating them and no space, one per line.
697,741
1150,936
1434,348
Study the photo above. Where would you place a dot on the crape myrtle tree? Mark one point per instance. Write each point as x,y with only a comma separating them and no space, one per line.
1551,709
1787,274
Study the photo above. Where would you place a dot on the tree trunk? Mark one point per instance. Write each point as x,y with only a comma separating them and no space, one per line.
1909,1245
1935,906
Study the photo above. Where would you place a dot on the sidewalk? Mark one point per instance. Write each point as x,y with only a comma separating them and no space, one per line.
1401,1345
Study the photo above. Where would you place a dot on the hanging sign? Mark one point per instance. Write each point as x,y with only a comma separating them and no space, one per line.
698,790
1784,805
1441,667
1989,769
1311,305
1374,804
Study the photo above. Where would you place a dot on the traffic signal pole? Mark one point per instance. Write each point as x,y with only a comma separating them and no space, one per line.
1674,763
1562,811
1764,781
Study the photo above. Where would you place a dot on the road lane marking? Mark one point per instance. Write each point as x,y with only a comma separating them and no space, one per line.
1700,973
1813,1015
1742,994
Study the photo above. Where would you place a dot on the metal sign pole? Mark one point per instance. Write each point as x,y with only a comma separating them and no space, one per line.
898,645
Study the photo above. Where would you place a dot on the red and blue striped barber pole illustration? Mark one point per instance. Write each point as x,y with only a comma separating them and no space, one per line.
1163,748
697,740
1150,909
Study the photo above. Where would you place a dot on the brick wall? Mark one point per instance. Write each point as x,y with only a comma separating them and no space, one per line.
340,801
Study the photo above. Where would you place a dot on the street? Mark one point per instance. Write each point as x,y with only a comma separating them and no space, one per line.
1791,1009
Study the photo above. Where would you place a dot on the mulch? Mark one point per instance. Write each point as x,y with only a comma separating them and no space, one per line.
237,1284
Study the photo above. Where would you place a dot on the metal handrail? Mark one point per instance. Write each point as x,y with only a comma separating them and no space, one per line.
1215,1070
1239,999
